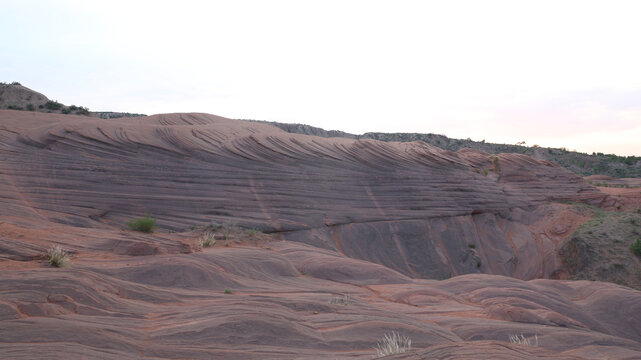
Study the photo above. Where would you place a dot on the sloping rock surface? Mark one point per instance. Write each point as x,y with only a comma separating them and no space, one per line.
412,207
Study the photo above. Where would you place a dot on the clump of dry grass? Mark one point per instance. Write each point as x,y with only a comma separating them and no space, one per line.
393,343
207,239
339,300
522,340
58,256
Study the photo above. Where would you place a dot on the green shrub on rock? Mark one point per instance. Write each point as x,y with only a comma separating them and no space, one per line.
144,224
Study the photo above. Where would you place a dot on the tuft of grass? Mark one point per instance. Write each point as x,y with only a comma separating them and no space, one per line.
207,239
339,300
144,224
229,291
393,343
58,256
522,340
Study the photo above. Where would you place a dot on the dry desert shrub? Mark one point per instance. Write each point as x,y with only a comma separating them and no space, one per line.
339,300
143,224
207,239
522,340
58,256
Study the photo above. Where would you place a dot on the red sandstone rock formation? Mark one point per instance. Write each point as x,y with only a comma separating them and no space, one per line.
378,221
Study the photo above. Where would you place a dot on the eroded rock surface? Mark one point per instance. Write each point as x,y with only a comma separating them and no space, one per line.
412,207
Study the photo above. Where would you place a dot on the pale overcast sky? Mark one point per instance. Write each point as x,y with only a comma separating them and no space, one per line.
553,73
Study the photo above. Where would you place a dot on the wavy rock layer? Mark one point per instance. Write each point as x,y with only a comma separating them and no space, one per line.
410,206
175,306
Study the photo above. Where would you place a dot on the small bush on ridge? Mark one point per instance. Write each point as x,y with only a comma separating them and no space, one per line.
144,224
53,105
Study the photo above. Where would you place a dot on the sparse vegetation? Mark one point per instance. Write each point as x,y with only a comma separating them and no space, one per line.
143,224
53,105
602,248
251,232
497,166
339,300
391,344
82,111
229,291
114,115
57,256
207,239
227,234
229,229
522,340
31,107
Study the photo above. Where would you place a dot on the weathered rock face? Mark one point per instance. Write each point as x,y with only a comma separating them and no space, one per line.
410,206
